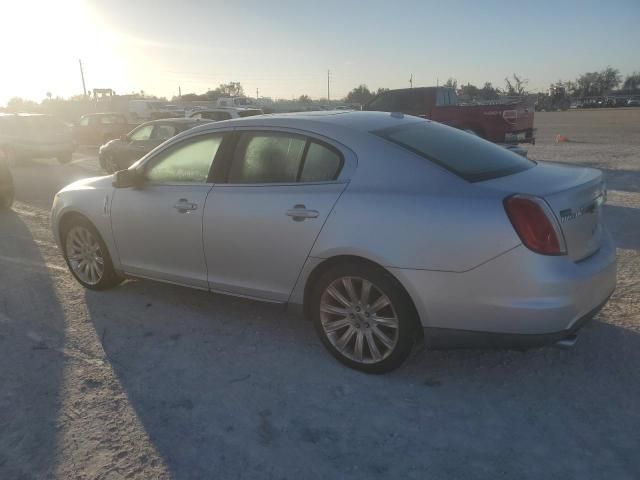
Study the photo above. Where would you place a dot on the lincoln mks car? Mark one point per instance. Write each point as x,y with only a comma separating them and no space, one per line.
386,229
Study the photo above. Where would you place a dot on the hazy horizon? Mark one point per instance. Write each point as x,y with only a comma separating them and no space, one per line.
285,50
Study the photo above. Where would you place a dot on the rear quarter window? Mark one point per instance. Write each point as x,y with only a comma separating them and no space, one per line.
464,154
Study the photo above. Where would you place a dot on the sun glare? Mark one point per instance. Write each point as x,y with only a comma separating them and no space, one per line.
43,41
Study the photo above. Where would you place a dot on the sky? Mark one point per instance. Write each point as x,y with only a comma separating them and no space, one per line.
285,48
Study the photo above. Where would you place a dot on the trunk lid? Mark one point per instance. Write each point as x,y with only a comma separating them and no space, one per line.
575,194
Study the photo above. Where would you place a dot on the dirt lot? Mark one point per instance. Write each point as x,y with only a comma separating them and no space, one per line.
156,381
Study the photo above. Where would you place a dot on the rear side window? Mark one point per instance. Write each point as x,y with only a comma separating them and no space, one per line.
466,155
267,158
272,157
320,164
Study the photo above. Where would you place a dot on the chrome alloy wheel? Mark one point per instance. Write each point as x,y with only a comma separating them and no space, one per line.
85,255
359,320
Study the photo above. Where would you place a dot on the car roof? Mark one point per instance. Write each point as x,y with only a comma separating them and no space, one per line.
219,109
102,113
327,122
176,120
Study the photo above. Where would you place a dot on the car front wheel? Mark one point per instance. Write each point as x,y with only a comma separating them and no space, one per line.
364,317
87,256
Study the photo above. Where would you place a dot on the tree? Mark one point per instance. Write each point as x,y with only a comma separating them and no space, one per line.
469,90
451,83
18,104
488,92
381,90
518,87
231,89
632,82
359,95
608,79
305,99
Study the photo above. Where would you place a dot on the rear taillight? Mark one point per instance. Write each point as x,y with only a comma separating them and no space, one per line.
535,224
510,116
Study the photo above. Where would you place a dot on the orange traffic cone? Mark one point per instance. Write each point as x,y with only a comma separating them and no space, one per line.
561,138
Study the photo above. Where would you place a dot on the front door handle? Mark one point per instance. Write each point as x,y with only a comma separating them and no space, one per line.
184,206
300,212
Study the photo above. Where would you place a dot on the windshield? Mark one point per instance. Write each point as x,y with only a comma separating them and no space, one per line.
465,154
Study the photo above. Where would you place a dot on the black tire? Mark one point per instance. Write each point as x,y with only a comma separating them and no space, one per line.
65,158
407,319
109,277
7,191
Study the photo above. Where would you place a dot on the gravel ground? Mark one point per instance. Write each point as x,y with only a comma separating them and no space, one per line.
157,381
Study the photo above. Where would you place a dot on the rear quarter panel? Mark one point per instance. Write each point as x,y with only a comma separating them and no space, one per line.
402,211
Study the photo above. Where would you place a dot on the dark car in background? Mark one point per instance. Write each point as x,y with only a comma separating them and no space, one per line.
98,128
123,152
24,136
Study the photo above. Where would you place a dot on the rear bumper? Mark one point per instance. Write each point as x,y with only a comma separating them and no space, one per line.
446,338
517,293
521,136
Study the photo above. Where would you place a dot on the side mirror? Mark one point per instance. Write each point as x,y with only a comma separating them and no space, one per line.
127,178
124,138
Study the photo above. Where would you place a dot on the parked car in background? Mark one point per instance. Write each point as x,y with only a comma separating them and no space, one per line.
633,102
225,113
25,136
98,128
6,184
121,153
143,110
381,227
507,123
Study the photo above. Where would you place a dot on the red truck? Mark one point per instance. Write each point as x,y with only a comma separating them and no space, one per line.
503,123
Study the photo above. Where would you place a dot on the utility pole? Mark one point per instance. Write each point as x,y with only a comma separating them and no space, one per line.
179,92
328,85
84,88
257,93
411,81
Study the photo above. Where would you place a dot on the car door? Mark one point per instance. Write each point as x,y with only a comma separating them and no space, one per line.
260,225
158,225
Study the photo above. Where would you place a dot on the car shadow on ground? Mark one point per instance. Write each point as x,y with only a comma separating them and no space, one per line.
32,365
230,388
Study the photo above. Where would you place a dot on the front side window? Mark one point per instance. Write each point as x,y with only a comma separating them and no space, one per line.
468,156
249,113
267,158
186,162
142,133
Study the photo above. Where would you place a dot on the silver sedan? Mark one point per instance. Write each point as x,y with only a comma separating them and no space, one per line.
385,229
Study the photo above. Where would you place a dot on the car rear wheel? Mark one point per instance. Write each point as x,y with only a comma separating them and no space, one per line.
364,317
87,256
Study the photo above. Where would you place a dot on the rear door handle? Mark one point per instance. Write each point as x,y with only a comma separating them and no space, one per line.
300,212
184,206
